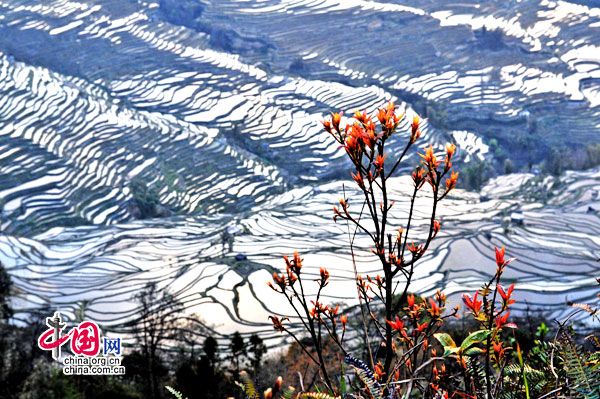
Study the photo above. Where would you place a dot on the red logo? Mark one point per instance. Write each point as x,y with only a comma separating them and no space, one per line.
85,338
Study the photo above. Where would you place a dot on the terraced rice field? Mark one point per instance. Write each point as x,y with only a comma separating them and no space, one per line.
216,107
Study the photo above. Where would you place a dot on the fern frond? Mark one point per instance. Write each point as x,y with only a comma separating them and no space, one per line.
477,373
174,392
288,393
514,370
585,383
317,395
366,376
247,385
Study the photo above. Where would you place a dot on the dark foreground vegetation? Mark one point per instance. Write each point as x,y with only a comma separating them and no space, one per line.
395,344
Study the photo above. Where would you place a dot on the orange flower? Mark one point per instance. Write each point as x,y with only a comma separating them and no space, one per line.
361,117
451,181
297,261
336,118
418,176
355,141
358,179
327,126
291,276
415,132
378,372
378,163
324,276
434,309
268,394
388,118
336,213
277,323
429,159
436,227
391,107
440,296
334,311
415,125
382,116
344,320
352,143
279,279
450,150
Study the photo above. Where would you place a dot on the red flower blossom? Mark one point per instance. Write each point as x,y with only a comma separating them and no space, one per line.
415,249
436,227
410,299
473,304
378,372
498,350
506,294
397,325
277,323
501,320
500,257
434,309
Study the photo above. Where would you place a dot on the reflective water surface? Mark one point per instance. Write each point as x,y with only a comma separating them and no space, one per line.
210,110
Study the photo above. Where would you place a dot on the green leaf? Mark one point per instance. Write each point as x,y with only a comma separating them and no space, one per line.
343,381
449,351
473,351
474,338
520,357
445,339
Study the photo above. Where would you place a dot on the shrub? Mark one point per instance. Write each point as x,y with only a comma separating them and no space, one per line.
410,354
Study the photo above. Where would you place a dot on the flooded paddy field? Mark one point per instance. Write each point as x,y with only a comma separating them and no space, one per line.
210,112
